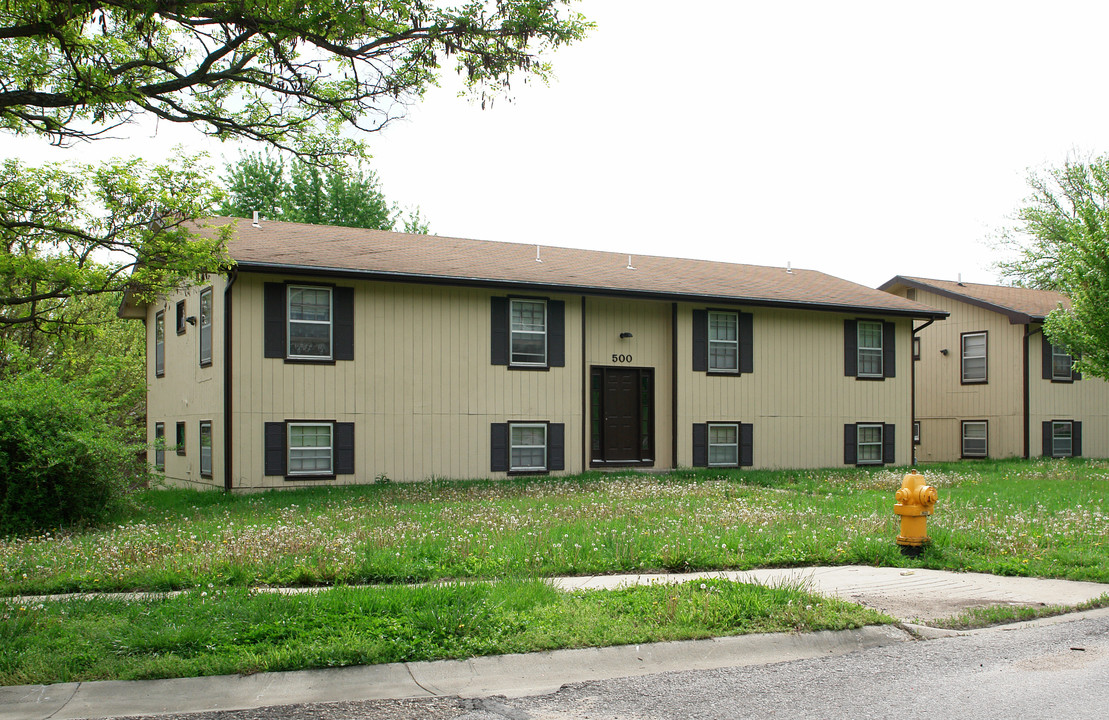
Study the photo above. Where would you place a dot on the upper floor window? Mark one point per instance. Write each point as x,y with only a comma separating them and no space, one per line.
206,327
528,332
180,317
723,341
309,322
1062,364
160,343
974,347
870,349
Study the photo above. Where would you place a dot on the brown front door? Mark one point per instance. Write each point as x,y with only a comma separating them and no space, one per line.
622,415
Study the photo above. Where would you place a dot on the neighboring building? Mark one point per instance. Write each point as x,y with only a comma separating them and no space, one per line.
347,355
990,384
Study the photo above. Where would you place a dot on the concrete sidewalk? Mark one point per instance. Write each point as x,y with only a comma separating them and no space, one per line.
914,596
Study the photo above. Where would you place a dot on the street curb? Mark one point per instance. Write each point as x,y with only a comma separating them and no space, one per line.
508,675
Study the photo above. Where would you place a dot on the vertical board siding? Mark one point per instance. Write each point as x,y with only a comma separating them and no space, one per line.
797,397
943,402
1085,401
421,389
188,392
649,322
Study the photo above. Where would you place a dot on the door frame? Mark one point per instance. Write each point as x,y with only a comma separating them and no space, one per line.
595,424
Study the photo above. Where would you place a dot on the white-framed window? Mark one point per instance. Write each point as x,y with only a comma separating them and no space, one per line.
309,317
723,341
916,348
975,436
206,448
1062,364
206,327
159,343
528,330
1062,438
159,446
723,442
527,447
974,346
916,433
870,350
869,444
311,448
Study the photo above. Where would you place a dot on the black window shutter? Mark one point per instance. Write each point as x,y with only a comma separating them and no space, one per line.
499,334
556,333
1074,374
556,446
700,340
746,445
1048,446
889,445
850,349
889,350
275,448
1046,356
700,445
1076,439
344,448
850,445
746,343
498,447
274,321
344,324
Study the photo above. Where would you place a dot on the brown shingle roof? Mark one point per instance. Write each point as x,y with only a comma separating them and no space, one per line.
295,247
1021,305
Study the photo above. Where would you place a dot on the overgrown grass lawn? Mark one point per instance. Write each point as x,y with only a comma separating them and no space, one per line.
236,630
1035,518
1042,518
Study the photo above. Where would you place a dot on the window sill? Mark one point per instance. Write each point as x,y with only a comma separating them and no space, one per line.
974,382
516,473
542,368
310,477
724,373
309,361
205,364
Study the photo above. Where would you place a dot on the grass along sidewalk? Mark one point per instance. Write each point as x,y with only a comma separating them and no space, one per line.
1027,518
1039,518
236,630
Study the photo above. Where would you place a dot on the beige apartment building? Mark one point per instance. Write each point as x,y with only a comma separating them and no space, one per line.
343,355
990,384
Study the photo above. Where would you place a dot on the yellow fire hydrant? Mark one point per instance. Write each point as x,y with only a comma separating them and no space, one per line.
915,501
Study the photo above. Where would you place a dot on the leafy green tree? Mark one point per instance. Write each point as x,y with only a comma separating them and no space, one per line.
348,196
69,232
290,73
1062,238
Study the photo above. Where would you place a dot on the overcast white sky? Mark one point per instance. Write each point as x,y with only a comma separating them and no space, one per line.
863,139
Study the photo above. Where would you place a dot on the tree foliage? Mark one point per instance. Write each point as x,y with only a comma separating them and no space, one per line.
61,463
305,192
1062,237
68,232
286,72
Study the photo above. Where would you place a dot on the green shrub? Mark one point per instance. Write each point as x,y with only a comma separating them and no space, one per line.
61,463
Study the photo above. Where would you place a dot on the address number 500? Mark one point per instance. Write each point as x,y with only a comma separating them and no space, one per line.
621,358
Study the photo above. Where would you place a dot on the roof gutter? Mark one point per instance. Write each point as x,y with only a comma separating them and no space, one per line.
248,266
